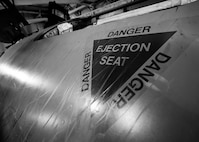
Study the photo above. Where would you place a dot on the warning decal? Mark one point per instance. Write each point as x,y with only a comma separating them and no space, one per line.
115,60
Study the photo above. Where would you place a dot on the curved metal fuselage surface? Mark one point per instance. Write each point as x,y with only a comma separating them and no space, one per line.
134,79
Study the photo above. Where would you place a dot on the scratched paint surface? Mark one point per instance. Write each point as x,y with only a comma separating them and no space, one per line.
73,88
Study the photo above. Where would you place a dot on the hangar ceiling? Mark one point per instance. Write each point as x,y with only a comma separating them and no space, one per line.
32,9
16,14
37,11
33,2
33,5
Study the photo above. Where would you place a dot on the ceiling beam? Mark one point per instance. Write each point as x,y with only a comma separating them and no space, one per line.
108,8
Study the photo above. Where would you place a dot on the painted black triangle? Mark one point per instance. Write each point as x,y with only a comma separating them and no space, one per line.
107,79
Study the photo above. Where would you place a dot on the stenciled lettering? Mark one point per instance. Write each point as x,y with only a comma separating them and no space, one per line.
129,31
137,83
135,47
113,60
86,72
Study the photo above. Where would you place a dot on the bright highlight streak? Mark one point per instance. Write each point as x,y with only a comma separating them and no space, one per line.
95,106
20,75
45,120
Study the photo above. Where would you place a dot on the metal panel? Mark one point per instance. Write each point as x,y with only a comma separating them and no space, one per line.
130,80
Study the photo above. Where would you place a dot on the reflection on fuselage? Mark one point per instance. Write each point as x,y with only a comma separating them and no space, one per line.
22,76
